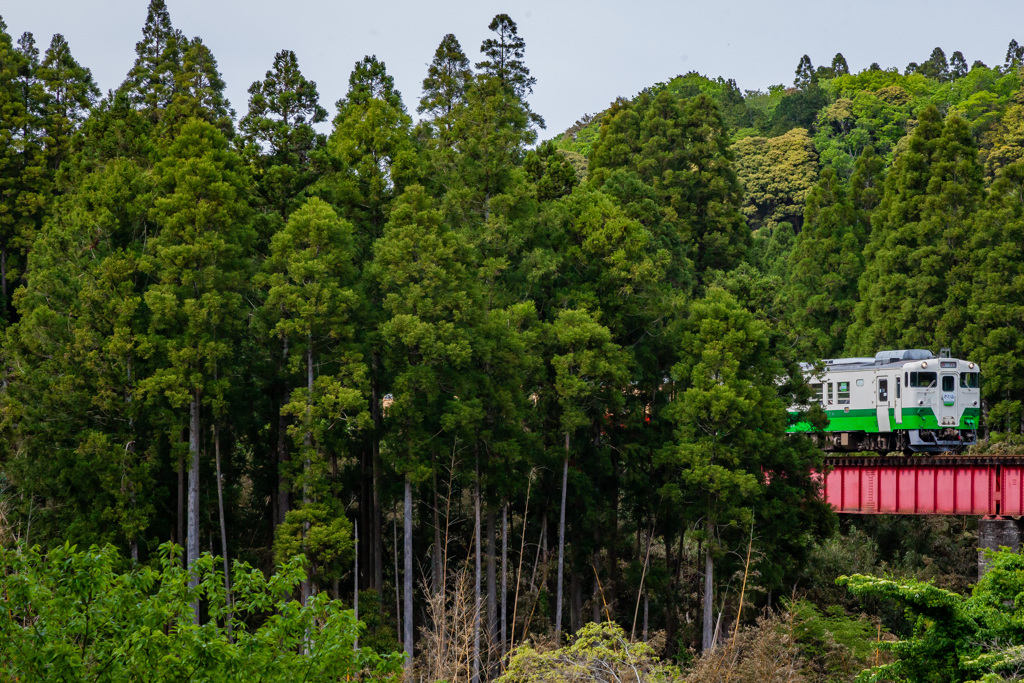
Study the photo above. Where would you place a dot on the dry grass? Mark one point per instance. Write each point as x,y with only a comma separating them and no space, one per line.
764,653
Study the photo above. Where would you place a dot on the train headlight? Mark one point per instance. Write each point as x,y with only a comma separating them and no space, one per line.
975,403
920,403
924,364
970,365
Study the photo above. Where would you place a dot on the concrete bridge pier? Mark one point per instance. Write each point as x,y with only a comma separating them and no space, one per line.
995,532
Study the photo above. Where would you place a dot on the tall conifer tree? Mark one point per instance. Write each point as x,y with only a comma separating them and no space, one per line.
70,92
420,267
444,88
280,137
23,178
503,59
198,263
372,144
918,241
995,334
153,79
310,277
824,267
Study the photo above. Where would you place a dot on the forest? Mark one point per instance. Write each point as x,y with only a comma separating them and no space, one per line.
482,386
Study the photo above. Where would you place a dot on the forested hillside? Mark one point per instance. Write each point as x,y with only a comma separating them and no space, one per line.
542,383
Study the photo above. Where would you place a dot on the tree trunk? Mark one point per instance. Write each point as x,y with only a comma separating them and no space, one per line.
130,448
504,575
709,573
376,530
541,557
365,511
476,589
671,619
492,579
223,530
435,565
575,601
192,552
180,540
3,277
519,567
283,485
398,593
355,580
307,440
646,606
561,546
407,578
643,576
612,544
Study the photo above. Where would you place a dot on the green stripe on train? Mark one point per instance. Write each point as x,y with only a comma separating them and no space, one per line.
866,420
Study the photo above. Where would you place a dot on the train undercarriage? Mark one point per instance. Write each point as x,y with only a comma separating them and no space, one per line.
908,441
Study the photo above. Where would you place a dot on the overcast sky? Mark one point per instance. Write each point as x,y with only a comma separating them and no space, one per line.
583,54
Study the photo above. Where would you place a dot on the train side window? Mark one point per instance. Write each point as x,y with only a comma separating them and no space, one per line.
969,380
844,393
906,379
816,388
830,393
883,391
948,383
897,386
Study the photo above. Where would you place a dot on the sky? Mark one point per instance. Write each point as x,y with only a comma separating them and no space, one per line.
584,54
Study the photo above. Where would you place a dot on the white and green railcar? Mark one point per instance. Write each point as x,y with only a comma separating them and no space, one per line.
906,400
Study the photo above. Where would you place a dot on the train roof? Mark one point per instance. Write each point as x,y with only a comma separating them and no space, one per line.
880,360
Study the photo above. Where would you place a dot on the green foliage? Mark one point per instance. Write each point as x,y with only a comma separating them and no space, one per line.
150,85
78,615
726,401
994,334
598,652
825,265
503,61
955,638
552,172
731,417
280,140
308,280
420,267
777,174
448,75
198,262
24,181
913,287
81,440
589,370
69,94
836,645
372,141
198,92
633,298
672,160
320,531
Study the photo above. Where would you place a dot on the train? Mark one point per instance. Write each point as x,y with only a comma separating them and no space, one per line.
908,401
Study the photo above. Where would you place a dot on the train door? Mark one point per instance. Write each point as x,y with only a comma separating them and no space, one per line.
898,402
882,403
947,405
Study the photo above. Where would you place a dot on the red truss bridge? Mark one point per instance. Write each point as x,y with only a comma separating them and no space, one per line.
933,485
991,487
